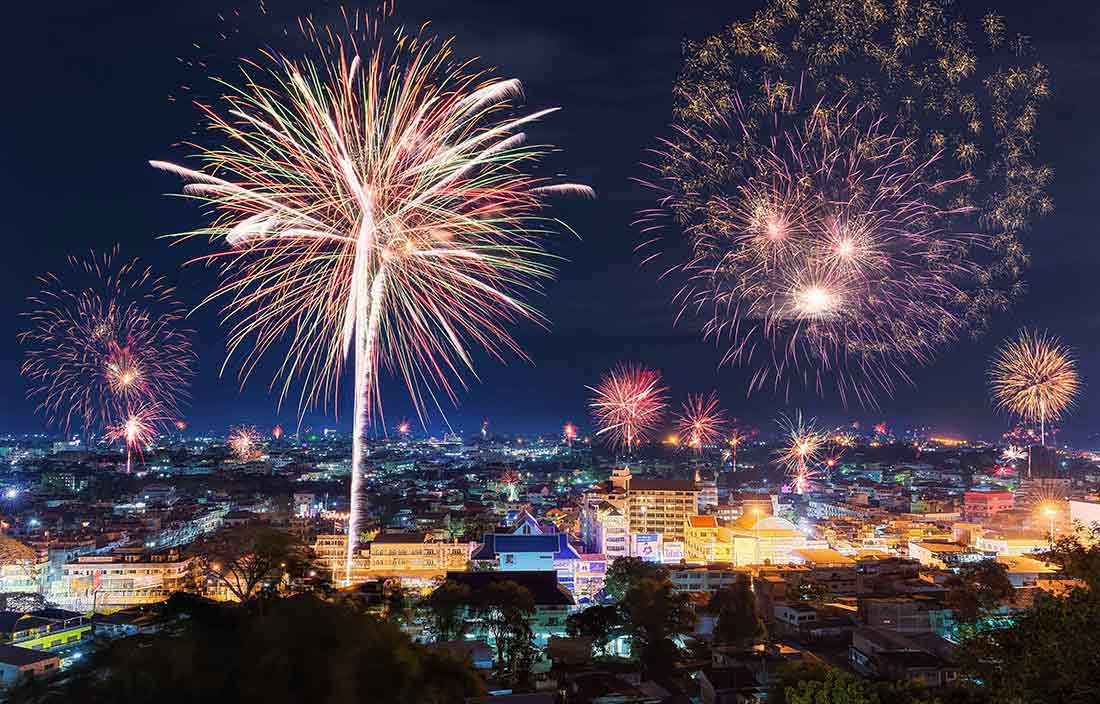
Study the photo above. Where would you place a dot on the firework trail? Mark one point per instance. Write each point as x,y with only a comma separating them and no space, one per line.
104,339
838,229
379,212
627,405
244,441
738,436
700,421
801,451
1034,376
138,426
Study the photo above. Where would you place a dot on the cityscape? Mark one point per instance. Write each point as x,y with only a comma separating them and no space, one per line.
438,352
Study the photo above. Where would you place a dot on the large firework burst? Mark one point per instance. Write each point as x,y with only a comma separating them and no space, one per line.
801,451
851,180
627,405
700,421
105,339
378,207
1034,376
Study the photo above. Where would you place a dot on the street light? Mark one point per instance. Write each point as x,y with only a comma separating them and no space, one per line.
1050,512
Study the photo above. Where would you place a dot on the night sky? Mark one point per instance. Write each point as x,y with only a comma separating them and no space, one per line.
87,88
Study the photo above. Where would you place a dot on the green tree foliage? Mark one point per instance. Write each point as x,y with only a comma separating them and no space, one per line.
505,610
791,674
978,591
446,609
1049,652
735,606
625,572
596,622
655,617
299,649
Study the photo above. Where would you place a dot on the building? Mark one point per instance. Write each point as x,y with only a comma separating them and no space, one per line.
980,506
1084,512
529,546
410,554
18,663
909,614
44,629
661,507
124,577
708,492
604,529
942,555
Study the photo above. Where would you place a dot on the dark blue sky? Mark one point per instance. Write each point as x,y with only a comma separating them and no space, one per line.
86,105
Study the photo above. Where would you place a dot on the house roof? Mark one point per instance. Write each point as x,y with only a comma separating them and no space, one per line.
661,485
543,585
19,657
496,543
703,521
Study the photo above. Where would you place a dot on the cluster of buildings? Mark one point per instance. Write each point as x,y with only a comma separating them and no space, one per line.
874,540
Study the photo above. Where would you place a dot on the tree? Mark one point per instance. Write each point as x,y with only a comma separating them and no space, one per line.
596,622
505,609
735,606
248,559
625,572
446,607
815,592
793,673
296,649
1047,652
656,617
978,591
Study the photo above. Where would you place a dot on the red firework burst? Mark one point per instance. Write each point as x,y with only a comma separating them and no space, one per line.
700,421
627,405
104,339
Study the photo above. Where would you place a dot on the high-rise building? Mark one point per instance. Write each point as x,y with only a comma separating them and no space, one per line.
661,506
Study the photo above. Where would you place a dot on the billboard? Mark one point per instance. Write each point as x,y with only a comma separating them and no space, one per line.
647,546
672,553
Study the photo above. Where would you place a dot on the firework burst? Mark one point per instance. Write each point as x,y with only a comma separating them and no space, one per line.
849,209
801,451
138,426
737,437
380,213
105,339
833,250
1034,376
245,441
627,405
700,421
1012,453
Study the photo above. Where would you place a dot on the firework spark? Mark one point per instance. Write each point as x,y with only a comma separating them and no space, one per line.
1034,376
700,422
1012,453
738,436
627,405
104,339
277,433
801,451
380,214
244,441
138,427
